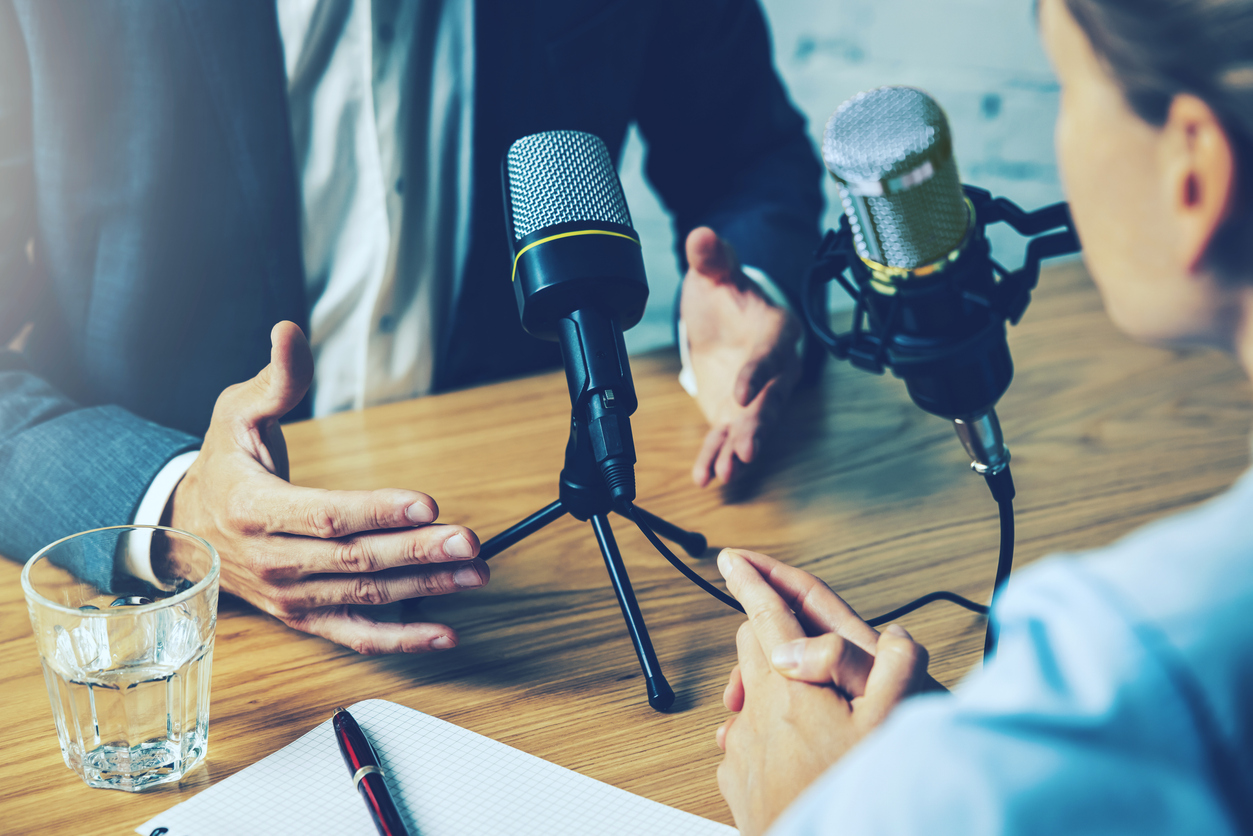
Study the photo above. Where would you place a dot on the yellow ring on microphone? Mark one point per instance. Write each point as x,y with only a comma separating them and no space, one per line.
566,235
883,277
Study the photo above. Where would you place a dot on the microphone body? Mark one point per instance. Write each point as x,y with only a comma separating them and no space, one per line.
932,304
578,277
945,341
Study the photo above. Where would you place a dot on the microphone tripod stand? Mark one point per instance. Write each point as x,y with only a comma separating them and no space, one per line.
584,496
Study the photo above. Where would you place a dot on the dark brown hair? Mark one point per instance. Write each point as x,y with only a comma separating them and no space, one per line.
1157,49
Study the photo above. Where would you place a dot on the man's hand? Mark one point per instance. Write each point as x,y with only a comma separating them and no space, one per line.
787,732
743,352
303,555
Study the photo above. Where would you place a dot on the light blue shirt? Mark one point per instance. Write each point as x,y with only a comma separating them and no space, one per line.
1120,702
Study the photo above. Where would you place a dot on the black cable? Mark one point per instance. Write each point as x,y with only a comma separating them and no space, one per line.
1000,483
679,564
1004,563
923,601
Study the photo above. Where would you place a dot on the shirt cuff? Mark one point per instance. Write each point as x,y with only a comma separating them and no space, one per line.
138,554
773,293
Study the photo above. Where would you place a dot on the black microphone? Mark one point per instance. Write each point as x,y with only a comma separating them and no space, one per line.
932,303
578,275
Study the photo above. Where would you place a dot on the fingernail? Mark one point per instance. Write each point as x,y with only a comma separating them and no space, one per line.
443,643
898,630
788,656
724,562
467,578
458,546
419,513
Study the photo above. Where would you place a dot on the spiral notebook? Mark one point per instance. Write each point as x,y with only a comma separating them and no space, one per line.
447,781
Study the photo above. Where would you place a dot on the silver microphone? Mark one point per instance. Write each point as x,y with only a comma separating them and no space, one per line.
559,177
891,152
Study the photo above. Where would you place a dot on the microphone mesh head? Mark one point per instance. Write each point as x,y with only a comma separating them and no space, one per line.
562,176
891,152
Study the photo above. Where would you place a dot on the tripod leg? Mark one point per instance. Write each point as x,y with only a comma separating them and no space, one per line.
660,695
692,542
526,528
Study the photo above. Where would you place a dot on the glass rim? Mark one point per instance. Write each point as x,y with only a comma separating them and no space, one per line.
215,567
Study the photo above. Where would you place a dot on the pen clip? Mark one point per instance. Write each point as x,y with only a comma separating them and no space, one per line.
364,771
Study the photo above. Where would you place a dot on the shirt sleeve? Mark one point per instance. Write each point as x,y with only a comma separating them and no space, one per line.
1075,727
138,555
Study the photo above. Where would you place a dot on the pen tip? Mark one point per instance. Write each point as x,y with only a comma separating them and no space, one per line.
340,710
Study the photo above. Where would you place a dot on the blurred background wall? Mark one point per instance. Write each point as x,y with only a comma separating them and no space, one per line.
980,59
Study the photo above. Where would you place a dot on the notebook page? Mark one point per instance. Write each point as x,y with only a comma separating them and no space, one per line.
447,781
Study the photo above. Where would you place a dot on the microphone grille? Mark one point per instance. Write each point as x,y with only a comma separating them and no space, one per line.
891,151
562,176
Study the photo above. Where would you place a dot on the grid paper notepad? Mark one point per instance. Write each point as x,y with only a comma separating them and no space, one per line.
446,780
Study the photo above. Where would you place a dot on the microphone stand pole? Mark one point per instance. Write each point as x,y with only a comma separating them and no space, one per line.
583,495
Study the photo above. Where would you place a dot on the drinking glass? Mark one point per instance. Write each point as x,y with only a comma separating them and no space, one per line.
124,620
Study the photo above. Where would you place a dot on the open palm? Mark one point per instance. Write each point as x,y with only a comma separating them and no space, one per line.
743,353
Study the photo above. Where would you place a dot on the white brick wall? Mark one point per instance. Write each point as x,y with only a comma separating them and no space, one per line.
980,59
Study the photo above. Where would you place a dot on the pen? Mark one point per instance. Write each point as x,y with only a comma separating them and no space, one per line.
367,775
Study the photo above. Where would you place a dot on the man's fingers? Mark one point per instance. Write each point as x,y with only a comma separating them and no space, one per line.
733,695
747,429
310,512
900,663
703,469
379,550
770,401
727,464
820,610
386,587
345,626
753,377
727,448
772,620
278,387
709,255
826,659
746,441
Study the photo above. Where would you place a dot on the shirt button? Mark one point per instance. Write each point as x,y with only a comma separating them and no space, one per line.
400,185
387,324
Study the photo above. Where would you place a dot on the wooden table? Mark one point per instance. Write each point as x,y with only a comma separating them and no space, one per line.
863,489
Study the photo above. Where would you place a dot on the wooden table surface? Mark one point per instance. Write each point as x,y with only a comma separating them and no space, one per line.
862,488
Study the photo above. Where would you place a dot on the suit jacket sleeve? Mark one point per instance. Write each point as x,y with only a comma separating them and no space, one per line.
726,148
63,468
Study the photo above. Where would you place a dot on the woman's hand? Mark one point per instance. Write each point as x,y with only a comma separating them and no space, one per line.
786,731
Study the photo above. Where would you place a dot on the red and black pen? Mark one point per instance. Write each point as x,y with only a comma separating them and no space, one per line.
367,775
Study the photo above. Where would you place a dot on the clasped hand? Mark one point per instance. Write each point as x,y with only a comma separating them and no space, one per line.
813,679
307,556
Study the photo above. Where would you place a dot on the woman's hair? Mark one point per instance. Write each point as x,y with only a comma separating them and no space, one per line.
1157,49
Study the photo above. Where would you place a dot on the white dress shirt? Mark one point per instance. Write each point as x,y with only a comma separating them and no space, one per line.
381,102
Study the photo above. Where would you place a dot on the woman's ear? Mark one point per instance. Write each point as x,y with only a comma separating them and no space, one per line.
1199,167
